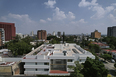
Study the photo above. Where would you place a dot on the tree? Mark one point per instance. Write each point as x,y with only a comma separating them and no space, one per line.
77,70
94,48
107,57
19,46
111,41
94,68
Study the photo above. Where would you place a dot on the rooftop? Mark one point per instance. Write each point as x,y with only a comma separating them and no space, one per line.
57,50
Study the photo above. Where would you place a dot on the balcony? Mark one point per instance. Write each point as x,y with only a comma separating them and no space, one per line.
36,72
36,66
70,63
35,60
61,57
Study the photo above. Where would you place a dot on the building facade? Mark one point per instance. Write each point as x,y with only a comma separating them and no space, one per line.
54,59
111,31
59,34
95,34
42,34
2,36
9,29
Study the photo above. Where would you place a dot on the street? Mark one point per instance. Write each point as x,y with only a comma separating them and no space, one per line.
110,67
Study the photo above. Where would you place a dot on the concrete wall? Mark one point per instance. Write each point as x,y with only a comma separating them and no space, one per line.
11,59
5,70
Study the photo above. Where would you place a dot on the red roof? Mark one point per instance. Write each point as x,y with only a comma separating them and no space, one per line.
58,71
110,50
100,44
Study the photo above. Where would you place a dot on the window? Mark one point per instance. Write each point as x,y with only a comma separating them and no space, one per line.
35,63
46,63
36,69
70,60
46,69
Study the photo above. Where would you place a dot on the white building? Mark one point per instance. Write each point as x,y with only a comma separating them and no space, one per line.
20,34
32,33
54,59
53,33
2,35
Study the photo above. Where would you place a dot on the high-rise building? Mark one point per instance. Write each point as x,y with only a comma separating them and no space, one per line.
2,36
95,34
32,33
111,31
42,34
9,29
53,33
59,34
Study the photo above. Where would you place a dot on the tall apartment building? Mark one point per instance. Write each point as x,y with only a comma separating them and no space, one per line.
59,34
54,59
111,31
9,29
53,33
95,34
41,34
2,36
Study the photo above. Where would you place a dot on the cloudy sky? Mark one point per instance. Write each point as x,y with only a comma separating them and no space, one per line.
70,16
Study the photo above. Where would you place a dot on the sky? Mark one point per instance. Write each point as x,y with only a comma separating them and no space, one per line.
69,16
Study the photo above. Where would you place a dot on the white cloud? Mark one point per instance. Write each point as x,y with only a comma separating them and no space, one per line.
112,17
50,3
49,19
70,15
109,8
85,3
3,18
82,21
99,12
25,18
58,15
42,21
114,4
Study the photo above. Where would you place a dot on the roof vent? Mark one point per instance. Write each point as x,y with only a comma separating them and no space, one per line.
64,53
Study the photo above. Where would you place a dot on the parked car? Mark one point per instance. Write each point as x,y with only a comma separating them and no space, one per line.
112,60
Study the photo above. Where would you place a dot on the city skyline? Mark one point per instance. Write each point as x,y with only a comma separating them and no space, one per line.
69,16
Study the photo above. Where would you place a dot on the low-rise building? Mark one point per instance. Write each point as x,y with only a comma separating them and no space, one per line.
96,34
54,59
101,45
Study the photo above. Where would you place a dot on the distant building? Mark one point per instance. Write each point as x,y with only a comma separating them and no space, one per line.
2,36
111,31
32,33
20,34
59,34
95,34
53,33
41,34
9,29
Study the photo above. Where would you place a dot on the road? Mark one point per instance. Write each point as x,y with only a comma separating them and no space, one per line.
110,67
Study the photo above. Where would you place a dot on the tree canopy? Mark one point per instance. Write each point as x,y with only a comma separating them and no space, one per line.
77,70
19,46
111,41
94,68
107,57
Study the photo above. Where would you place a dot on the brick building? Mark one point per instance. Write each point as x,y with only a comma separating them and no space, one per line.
41,34
95,34
9,29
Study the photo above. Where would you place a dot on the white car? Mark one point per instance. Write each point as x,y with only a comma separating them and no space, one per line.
112,60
